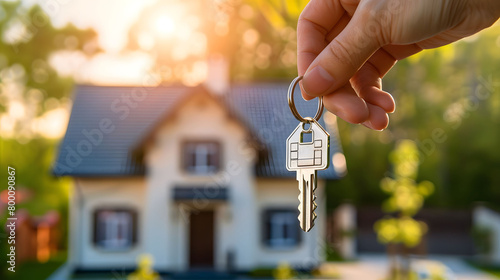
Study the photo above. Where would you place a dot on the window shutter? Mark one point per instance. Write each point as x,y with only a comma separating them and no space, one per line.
266,227
299,230
96,228
217,156
135,225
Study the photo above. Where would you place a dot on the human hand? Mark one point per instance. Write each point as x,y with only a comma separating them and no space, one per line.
345,47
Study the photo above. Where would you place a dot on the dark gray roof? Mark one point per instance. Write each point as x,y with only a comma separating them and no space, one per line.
262,107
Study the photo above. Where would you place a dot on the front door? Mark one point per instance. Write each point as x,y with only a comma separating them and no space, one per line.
201,239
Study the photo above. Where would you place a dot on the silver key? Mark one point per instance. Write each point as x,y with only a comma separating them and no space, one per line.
306,156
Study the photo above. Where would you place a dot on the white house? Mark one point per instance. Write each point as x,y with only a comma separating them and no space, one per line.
196,179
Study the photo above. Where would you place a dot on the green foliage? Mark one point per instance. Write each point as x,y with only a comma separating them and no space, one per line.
30,50
406,198
279,13
257,37
483,239
261,272
448,104
491,269
34,270
284,271
403,230
333,255
26,76
43,191
32,161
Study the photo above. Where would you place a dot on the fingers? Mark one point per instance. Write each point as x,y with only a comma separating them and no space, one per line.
319,20
374,95
368,83
339,26
338,62
315,22
378,118
347,71
346,104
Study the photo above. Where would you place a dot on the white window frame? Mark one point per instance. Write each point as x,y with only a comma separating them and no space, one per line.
201,151
115,229
283,232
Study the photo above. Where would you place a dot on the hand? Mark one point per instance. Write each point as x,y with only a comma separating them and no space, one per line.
345,47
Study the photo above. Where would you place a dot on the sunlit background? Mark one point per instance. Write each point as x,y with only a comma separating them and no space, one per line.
47,47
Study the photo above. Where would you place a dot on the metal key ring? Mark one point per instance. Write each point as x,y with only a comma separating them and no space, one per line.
291,103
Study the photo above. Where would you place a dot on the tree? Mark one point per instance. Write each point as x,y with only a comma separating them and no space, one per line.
257,38
448,104
31,91
400,230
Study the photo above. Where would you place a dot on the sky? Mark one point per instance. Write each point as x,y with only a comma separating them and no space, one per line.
112,20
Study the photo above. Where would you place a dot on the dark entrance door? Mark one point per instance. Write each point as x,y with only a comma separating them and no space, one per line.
201,239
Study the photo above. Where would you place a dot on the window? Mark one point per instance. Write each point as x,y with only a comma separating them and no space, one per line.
115,229
281,228
201,158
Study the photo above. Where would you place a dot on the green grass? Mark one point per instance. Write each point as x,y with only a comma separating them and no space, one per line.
493,270
31,270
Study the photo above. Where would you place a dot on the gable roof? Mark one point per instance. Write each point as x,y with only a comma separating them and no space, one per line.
139,148
107,123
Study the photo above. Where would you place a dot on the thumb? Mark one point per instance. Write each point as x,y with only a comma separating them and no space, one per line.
345,54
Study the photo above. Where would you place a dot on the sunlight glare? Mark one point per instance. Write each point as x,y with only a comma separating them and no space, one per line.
52,124
339,163
164,25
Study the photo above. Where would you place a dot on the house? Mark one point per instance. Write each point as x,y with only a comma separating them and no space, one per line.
193,177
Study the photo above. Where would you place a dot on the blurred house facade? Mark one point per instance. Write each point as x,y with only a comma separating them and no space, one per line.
487,227
192,176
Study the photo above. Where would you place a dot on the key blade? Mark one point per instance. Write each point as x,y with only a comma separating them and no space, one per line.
307,204
303,203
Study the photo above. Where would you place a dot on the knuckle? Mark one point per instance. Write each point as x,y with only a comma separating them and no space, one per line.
342,53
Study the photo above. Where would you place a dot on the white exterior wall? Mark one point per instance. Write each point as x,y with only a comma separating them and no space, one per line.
91,194
163,224
167,229
489,219
345,218
283,193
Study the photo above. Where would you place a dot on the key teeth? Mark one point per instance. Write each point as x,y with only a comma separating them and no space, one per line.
314,205
300,212
301,217
313,209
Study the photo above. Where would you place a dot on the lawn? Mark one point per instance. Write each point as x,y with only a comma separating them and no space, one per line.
493,270
31,270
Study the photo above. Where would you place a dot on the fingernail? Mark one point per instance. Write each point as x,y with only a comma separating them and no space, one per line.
304,94
317,81
370,126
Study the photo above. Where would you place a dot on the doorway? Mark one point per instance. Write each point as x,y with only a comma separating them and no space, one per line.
201,239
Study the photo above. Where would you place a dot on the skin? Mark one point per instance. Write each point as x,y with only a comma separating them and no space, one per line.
345,47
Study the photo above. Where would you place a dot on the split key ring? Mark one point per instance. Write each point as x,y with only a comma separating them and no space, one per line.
291,103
